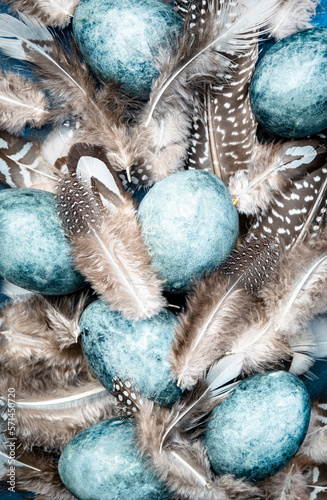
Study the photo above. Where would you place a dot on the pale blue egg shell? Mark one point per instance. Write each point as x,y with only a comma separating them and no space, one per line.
259,428
289,86
34,252
189,225
136,351
102,462
119,39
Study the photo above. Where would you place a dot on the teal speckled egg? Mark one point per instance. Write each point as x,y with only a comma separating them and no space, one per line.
289,86
134,350
259,428
34,253
119,39
189,225
102,462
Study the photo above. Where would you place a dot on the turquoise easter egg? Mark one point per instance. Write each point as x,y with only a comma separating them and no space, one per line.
289,86
136,351
34,252
119,39
259,428
102,462
189,225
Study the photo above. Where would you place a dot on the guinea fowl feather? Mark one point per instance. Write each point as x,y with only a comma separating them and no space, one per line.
50,12
105,234
217,302
179,461
272,169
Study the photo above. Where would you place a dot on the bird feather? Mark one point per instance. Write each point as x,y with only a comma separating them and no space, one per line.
216,303
292,16
21,103
56,13
272,168
51,421
107,243
64,76
314,446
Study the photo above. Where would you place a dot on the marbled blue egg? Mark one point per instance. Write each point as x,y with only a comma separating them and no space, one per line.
259,428
289,86
34,252
102,462
189,225
134,350
119,39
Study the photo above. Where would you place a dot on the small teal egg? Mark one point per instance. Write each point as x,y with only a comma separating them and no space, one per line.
102,462
289,86
119,39
134,350
189,225
34,252
259,428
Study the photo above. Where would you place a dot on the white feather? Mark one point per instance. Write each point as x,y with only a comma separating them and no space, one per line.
89,166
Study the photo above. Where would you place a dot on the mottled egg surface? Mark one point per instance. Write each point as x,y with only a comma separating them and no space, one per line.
119,39
102,462
189,225
289,86
34,252
136,351
259,428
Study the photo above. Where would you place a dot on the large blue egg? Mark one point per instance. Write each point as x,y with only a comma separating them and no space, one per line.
102,462
136,351
259,428
320,17
34,252
189,225
289,86
118,39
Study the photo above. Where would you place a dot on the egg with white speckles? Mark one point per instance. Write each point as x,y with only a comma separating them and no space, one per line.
189,225
102,462
289,86
136,351
34,252
256,431
119,39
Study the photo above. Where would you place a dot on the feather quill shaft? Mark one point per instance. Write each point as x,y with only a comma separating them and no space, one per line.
272,169
215,304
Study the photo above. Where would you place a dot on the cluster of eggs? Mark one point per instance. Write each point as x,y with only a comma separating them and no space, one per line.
190,226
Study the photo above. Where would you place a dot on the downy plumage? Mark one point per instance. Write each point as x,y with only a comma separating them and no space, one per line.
218,301
168,438
106,236
50,12
291,17
51,419
271,171
21,103
66,79
202,54
36,471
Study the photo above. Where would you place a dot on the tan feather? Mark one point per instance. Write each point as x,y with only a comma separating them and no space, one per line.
50,12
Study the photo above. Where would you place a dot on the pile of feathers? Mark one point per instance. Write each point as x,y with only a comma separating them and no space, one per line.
249,316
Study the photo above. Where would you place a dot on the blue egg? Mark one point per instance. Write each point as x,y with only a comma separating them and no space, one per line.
34,252
320,17
289,86
189,225
102,462
119,39
259,428
134,350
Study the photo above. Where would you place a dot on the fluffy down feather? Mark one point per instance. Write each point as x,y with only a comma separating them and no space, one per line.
292,16
50,12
